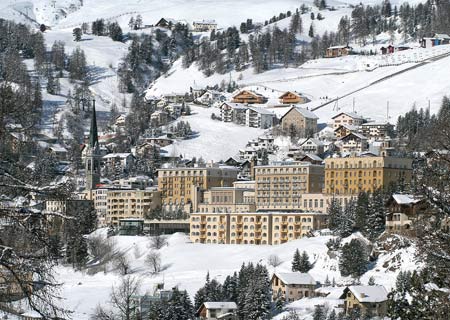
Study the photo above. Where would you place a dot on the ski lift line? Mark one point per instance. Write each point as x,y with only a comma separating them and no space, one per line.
383,79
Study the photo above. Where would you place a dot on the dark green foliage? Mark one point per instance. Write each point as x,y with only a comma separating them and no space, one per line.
296,261
354,259
78,65
115,32
77,33
319,312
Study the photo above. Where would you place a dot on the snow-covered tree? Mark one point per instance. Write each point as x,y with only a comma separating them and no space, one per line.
354,259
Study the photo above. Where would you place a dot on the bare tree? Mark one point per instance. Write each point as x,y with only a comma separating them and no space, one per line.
153,260
274,260
123,306
157,242
122,264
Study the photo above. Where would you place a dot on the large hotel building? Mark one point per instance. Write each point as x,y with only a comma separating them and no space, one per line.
352,175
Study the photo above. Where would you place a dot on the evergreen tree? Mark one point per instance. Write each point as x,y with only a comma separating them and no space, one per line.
304,265
376,219
296,261
77,33
332,315
354,259
311,30
319,312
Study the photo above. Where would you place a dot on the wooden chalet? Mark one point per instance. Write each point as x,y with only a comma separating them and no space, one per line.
292,97
337,51
247,96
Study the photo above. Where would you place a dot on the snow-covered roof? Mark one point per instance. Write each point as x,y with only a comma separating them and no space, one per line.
116,155
348,127
357,135
313,140
205,22
442,36
304,112
376,124
353,115
405,199
295,278
261,110
220,305
339,47
369,293
313,157
57,148
235,105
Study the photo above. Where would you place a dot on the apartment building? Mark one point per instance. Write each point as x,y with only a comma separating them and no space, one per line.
347,118
366,173
254,227
280,186
224,199
175,184
302,120
130,204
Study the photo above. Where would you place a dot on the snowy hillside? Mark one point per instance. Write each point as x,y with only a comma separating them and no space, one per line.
188,264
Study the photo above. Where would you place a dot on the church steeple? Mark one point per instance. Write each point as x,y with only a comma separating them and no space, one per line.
93,132
92,164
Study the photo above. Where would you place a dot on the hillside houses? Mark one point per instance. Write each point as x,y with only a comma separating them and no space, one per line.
204,25
348,118
233,112
366,299
353,142
249,97
242,114
292,285
210,97
437,40
337,51
300,120
293,97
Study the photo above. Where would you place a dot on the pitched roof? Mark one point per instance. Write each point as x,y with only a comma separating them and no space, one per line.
313,157
369,293
220,305
313,140
348,127
293,92
117,155
261,110
295,278
359,136
354,115
304,112
235,105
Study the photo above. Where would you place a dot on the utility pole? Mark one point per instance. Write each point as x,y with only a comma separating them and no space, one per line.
387,111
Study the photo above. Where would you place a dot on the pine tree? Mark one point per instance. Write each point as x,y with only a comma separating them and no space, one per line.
362,208
376,219
77,33
319,312
332,315
354,259
296,261
304,265
327,281
311,30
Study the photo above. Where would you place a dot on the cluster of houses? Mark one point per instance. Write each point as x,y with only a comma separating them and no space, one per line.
195,26
291,286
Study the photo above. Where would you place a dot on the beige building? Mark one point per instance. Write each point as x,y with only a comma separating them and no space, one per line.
224,199
347,118
292,286
369,300
130,204
280,186
404,211
175,184
367,173
302,120
254,228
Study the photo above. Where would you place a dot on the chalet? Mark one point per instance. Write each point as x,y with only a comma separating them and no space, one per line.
377,129
353,142
122,161
311,158
303,121
217,310
174,97
311,145
162,141
351,118
247,96
344,129
233,112
403,211
58,151
168,23
369,300
147,150
204,25
159,118
292,97
259,118
436,40
210,97
292,285
196,91
337,51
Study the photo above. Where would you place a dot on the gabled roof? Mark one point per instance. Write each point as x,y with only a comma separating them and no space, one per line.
235,105
295,278
369,294
117,155
357,135
250,92
312,157
348,127
205,21
442,36
261,110
354,115
220,305
293,92
304,112
313,140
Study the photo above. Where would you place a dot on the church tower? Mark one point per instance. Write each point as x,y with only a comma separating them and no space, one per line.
92,163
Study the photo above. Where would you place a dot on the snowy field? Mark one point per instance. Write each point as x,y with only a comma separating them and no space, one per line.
215,140
188,263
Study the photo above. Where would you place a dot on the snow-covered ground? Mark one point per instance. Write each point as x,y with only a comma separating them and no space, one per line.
215,140
188,263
